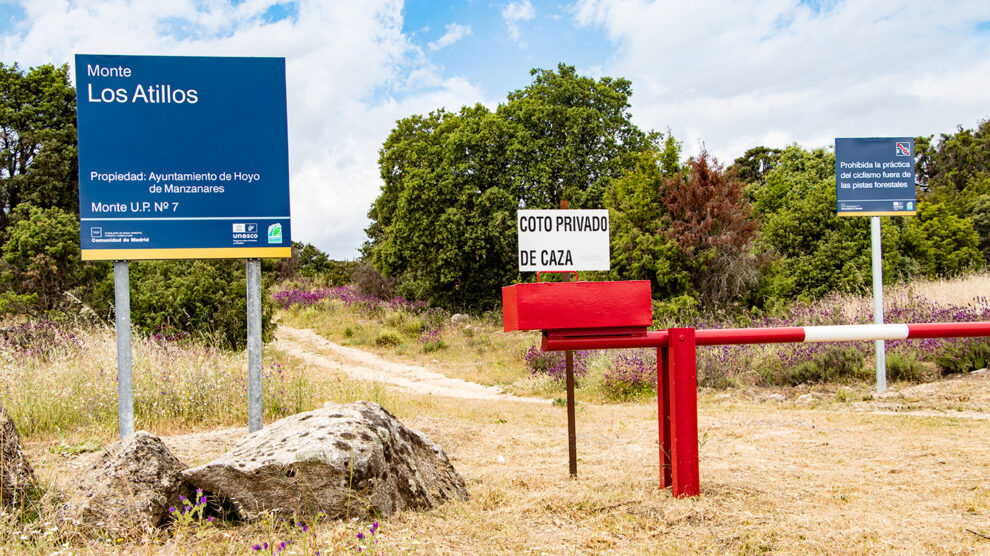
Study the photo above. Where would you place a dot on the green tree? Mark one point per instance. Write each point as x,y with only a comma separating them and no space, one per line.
444,222
818,251
951,243
640,248
955,172
957,163
38,155
41,262
981,222
688,230
312,261
753,166
572,136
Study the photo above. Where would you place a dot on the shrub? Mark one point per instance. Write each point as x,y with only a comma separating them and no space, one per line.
632,375
388,338
554,364
38,339
349,295
370,282
829,364
963,355
904,367
431,341
41,258
716,366
394,319
413,326
206,298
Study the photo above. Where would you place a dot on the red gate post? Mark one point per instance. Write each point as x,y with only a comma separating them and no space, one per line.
683,400
663,415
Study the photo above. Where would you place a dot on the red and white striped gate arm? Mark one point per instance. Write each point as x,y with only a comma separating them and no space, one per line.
843,333
796,334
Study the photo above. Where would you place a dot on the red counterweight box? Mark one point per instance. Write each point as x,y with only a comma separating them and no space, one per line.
578,308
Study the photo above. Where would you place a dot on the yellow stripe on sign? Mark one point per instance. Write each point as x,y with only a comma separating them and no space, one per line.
879,213
203,253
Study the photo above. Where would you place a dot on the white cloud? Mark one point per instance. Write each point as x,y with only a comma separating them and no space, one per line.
513,13
346,64
736,75
454,33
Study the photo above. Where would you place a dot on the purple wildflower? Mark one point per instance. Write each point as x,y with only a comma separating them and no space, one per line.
554,363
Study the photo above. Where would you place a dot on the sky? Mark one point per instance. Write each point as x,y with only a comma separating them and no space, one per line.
722,75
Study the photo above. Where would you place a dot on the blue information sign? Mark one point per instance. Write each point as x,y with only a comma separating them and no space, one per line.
182,157
875,176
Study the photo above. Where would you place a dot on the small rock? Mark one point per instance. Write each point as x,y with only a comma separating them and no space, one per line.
776,397
459,318
806,399
16,475
132,487
500,459
979,371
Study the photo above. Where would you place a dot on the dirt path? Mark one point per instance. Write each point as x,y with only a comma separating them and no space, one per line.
316,350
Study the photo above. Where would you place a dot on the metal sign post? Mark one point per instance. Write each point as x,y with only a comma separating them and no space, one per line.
571,419
255,401
571,402
881,353
125,388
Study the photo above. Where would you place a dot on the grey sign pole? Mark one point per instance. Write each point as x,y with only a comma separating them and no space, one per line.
254,344
125,387
878,301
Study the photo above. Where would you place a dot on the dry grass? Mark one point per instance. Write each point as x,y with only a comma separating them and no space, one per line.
960,291
776,477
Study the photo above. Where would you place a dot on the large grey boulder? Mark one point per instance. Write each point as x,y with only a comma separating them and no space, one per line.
130,488
353,460
16,475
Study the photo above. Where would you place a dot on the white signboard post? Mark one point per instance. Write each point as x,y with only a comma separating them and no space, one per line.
563,240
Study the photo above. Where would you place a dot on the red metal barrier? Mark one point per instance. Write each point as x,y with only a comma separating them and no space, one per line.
615,315
677,403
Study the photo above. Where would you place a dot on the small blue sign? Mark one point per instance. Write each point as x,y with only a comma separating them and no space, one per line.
182,157
875,176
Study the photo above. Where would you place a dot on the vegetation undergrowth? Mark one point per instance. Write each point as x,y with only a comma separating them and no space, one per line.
56,379
412,330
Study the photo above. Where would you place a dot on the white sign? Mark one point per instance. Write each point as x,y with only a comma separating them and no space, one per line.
563,240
